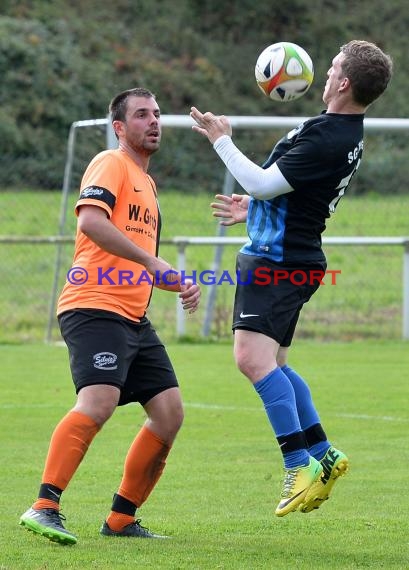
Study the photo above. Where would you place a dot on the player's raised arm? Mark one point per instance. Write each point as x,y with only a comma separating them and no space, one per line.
260,183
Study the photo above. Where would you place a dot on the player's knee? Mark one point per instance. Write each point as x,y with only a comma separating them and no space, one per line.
173,423
167,427
244,362
166,420
177,420
254,365
98,402
100,415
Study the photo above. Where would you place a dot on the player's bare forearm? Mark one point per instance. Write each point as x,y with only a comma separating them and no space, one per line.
170,283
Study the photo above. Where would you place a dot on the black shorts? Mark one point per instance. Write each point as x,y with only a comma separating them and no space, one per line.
269,297
106,348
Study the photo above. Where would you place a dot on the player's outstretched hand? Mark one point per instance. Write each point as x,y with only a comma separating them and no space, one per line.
190,295
209,125
232,209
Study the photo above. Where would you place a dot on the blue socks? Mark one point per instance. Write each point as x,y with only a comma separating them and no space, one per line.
288,403
307,413
305,408
279,401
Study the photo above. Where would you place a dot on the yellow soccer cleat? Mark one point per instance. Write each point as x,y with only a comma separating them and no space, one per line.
296,484
335,464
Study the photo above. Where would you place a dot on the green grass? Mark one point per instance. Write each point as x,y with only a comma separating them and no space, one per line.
218,492
366,302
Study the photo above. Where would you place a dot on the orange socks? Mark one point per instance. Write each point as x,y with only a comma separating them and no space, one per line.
46,504
118,521
144,465
68,445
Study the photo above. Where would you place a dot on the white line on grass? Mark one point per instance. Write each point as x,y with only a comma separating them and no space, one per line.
219,407
248,409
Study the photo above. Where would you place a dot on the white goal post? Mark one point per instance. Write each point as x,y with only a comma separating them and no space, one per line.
237,122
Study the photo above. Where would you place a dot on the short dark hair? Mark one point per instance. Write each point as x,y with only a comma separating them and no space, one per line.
118,105
368,69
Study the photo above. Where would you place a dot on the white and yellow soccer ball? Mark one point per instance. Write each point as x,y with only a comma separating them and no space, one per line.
284,71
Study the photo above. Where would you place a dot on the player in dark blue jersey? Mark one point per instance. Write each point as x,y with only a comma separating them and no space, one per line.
288,201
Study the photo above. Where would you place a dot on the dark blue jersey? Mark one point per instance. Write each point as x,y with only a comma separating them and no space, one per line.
318,160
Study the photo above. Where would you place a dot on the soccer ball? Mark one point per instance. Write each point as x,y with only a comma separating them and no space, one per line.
284,71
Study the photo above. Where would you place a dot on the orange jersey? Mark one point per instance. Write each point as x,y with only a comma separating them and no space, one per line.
114,182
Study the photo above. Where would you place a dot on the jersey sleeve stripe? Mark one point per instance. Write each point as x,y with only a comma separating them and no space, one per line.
98,193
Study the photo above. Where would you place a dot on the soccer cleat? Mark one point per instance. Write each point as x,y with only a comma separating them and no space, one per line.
134,530
334,464
296,485
48,523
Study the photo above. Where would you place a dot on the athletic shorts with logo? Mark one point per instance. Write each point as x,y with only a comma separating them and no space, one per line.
267,303
106,348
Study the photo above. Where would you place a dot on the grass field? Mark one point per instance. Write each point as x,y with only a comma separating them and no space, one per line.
217,495
367,301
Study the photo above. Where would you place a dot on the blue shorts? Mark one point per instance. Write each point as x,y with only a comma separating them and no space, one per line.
106,348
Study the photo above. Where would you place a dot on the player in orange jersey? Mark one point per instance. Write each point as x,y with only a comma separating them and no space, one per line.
115,355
